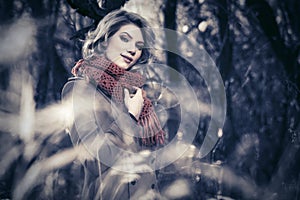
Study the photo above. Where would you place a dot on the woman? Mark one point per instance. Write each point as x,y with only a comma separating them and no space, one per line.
111,110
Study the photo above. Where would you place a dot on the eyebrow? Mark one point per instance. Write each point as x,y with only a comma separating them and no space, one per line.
127,34
131,37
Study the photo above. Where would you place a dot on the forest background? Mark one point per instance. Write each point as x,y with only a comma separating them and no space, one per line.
254,43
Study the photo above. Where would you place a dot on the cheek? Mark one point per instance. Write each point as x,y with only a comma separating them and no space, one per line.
138,55
114,46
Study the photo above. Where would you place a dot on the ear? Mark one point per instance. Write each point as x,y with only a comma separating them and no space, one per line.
104,44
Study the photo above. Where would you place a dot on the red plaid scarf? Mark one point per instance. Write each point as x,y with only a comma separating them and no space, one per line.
113,79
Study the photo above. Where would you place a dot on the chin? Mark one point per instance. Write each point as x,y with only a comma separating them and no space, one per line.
121,64
124,65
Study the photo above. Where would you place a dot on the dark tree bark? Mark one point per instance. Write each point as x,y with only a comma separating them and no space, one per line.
286,55
6,15
51,72
224,61
95,10
171,37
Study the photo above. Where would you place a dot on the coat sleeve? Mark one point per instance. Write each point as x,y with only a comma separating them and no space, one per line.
96,122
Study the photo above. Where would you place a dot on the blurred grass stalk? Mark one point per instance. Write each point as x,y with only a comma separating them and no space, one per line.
26,130
27,108
37,172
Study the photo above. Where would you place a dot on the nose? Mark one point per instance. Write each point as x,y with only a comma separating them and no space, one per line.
132,51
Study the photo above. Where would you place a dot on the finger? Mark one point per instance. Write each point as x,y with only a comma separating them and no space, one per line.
138,91
126,92
126,95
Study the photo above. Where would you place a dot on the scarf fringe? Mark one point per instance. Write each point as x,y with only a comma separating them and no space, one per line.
152,132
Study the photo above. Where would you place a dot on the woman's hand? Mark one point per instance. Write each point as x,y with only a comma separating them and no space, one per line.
134,102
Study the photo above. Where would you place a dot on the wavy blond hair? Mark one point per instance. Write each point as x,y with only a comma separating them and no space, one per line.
109,25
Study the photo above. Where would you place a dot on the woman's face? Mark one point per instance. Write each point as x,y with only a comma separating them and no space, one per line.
124,48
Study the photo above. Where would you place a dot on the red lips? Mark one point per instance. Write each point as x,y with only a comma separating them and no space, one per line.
127,59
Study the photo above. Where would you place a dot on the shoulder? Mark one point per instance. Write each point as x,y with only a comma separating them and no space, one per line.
70,85
79,87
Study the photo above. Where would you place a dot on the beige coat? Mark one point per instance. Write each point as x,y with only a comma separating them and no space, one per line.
106,133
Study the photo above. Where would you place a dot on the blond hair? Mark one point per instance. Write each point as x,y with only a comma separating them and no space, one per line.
109,25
